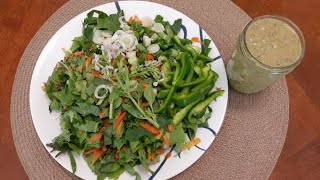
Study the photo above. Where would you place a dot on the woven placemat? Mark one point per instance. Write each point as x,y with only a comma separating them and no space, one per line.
255,126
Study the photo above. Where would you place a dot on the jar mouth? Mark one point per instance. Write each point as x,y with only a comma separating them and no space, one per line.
266,66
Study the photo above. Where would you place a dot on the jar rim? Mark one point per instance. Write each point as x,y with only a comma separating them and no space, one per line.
293,26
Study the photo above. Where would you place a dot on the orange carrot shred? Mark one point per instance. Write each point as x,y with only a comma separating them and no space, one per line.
81,131
160,134
65,108
149,128
149,57
88,61
170,127
166,140
104,149
161,150
145,85
95,137
90,151
96,155
168,155
96,74
152,156
119,121
116,156
195,39
124,148
130,20
191,143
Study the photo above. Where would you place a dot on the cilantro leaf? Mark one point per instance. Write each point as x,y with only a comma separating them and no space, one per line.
137,133
178,137
149,95
89,126
205,48
110,23
176,26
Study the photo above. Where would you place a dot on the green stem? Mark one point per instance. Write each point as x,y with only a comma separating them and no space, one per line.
154,123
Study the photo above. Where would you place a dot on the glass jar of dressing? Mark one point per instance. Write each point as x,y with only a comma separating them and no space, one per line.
268,48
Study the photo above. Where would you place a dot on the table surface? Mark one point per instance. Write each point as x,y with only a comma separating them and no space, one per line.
300,157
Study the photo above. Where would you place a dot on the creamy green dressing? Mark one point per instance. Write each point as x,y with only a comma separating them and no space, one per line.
273,42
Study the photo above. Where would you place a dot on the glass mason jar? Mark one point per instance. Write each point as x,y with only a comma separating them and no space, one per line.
248,74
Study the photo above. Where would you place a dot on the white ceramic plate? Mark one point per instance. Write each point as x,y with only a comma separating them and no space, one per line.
47,125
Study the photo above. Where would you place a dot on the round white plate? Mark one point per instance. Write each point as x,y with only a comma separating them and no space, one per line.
47,125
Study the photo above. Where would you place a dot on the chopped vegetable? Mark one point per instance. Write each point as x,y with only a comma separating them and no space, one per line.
128,90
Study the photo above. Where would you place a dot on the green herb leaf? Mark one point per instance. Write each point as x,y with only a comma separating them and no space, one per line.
110,23
149,95
89,126
178,137
177,26
133,111
135,134
73,162
205,48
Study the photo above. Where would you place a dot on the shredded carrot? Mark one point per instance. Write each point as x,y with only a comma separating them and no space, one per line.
114,62
95,137
78,53
104,149
79,69
161,150
168,155
134,18
65,108
96,74
149,57
124,148
116,156
145,85
102,115
159,67
64,50
81,131
166,140
159,135
96,155
130,20
195,39
69,70
170,127
149,128
90,151
104,127
152,156
191,143
88,62
137,20
119,122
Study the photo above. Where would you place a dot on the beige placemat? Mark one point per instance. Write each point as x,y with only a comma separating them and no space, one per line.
255,126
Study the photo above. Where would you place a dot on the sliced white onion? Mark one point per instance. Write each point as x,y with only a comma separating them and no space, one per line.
106,34
96,92
155,84
146,41
153,48
128,40
147,21
158,27
148,63
131,54
97,37
134,45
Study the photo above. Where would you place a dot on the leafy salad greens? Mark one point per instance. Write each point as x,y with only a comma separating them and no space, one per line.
128,90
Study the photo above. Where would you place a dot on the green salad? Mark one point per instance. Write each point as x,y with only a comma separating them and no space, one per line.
129,89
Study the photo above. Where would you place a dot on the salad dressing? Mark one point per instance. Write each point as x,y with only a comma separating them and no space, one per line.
268,48
273,42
